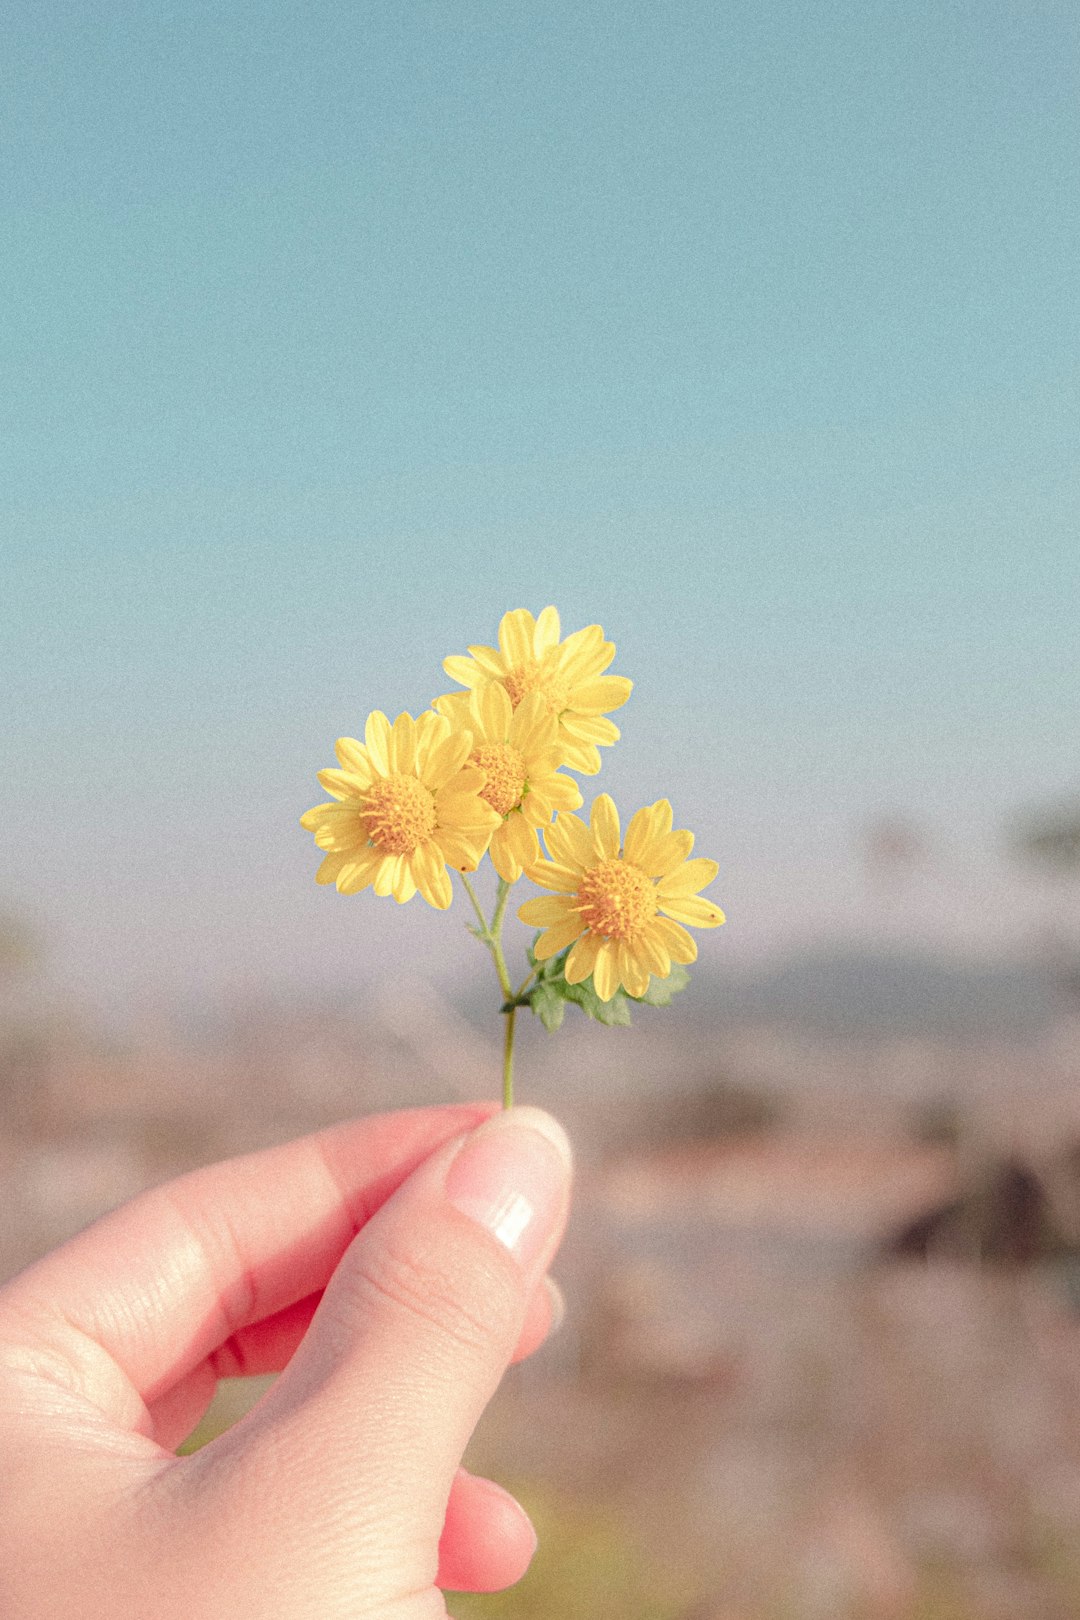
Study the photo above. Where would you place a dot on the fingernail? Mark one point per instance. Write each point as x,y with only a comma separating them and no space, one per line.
557,1301
512,1176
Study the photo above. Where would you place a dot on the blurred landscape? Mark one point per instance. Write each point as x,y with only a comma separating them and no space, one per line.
822,1356
335,332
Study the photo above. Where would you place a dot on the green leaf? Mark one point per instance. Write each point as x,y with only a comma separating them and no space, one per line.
615,1011
552,968
548,1005
552,991
660,991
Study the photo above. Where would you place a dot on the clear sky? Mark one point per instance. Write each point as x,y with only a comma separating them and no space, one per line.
332,330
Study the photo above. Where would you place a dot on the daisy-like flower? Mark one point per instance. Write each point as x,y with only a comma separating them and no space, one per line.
623,904
519,752
408,804
568,675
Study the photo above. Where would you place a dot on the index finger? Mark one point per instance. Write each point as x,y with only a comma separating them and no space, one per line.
157,1285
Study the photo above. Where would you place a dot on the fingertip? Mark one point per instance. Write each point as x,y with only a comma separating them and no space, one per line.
488,1539
556,1304
512,1176
544,1317
525,1116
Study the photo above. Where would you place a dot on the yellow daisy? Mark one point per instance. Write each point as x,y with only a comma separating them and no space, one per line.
408,803
568,675
624,905
519,752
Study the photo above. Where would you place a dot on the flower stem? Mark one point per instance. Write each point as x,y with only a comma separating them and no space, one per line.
502,895
525,983
471,892
491,935
508,1060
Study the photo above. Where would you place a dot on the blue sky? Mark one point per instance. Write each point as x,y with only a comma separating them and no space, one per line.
332,331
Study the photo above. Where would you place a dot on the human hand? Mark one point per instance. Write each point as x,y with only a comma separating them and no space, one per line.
389,1269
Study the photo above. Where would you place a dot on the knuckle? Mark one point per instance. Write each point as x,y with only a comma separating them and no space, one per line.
463,1296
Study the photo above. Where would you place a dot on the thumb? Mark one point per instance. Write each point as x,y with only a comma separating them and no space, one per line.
366,1427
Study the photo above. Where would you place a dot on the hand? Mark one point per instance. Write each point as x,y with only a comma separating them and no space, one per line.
389,1269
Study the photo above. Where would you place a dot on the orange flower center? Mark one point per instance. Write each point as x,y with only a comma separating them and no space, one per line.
615,899
535,677
400,814
504,767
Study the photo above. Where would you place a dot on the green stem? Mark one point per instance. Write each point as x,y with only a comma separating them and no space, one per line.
502,895
508,1060
471,892
525,983
491,935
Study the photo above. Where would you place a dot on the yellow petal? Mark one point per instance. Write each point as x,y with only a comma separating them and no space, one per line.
605,976
377,741
653,952
582,959
522,839
516,636
694,910
569,841
492,702
546,761
591,728
311,818
676,940
532,726
492,664
432,878
687,878
581,757
462,850
562,791
585,654
387,875
446,759
403,745
546,910
336,826
643,829
651,844
405,884
342,784
557,938
431,728
546,634
453,706
633,973
605,828
464,810
465,670
502,855
470,779
667,854
550,875
599,695
352,757
330,866
536,809
358,870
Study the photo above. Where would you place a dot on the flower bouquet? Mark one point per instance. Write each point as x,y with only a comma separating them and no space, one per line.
483,772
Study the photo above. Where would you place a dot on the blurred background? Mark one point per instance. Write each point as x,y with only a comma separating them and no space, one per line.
749,331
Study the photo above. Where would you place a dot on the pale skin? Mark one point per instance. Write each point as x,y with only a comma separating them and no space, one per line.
389,1269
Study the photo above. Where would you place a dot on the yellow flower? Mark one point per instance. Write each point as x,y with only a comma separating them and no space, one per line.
624,905
568,675
519,752
408,803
